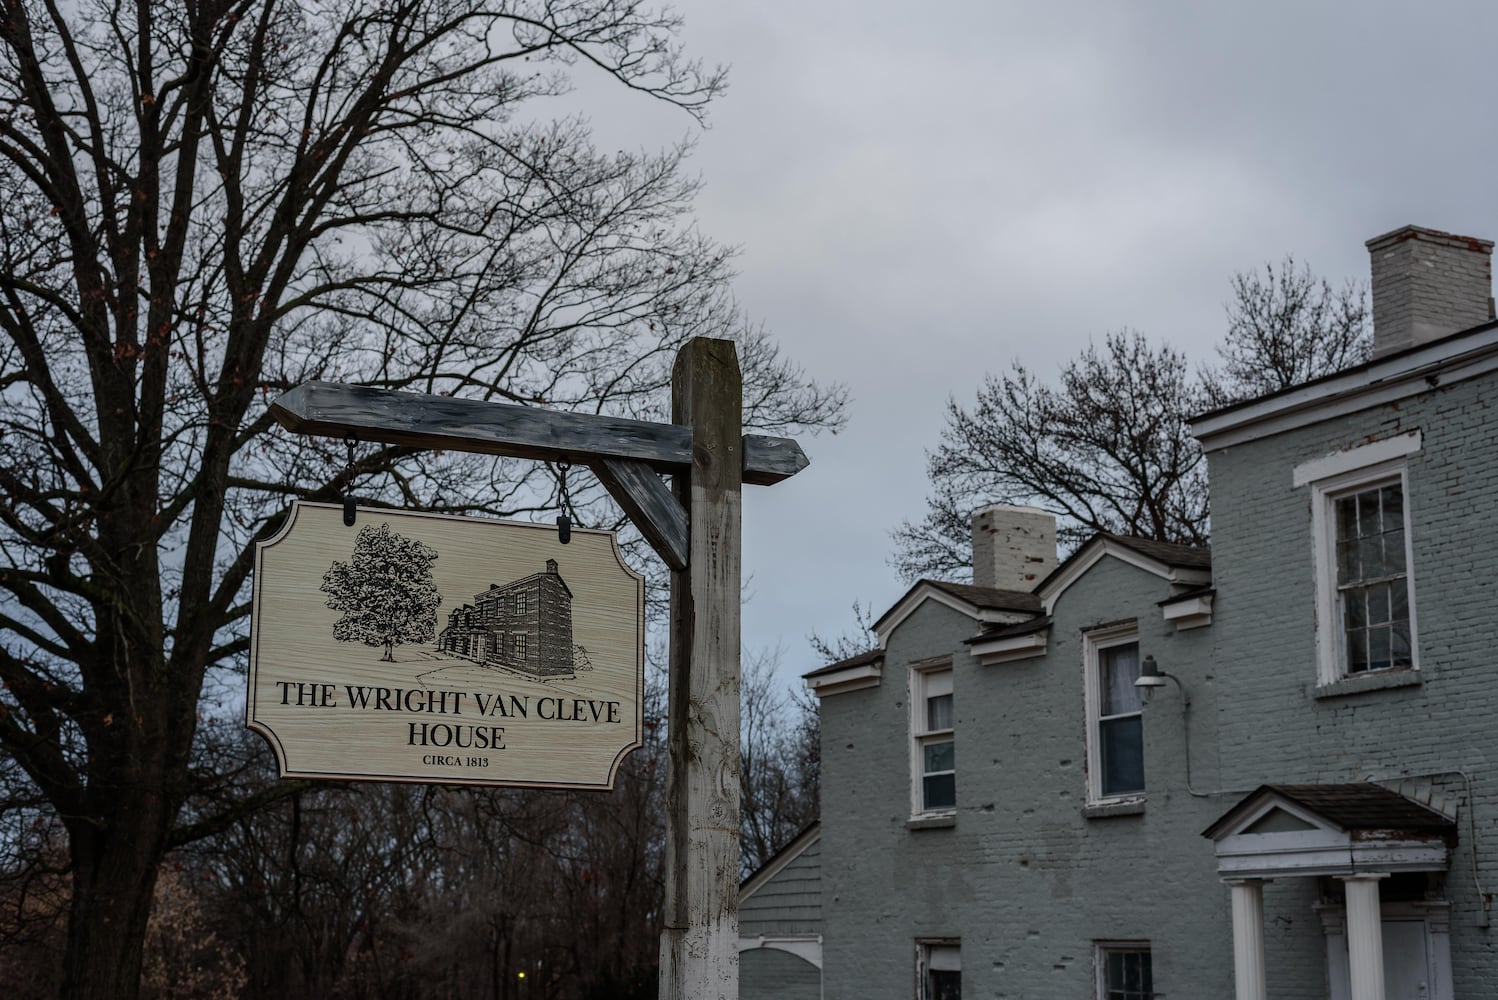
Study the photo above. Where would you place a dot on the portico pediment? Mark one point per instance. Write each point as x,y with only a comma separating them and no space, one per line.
1341,829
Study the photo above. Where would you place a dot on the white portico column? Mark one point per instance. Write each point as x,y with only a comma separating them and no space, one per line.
1248,938
1365,936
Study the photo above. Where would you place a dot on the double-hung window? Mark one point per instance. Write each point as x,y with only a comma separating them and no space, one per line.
1115,722
935,759
1365,589
1124,973
1373,578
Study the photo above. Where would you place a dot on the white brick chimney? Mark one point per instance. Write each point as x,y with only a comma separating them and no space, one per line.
1427,284
1013,547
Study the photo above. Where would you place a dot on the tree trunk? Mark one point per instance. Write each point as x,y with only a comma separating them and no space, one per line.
114,881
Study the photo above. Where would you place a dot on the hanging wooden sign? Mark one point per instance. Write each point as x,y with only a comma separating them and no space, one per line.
431,648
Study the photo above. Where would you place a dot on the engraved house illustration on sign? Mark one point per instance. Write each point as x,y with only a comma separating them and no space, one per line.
524,625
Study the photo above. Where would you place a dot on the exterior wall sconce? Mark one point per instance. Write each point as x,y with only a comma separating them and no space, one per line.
1152,677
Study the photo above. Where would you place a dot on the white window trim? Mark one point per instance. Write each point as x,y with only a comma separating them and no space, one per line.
1093,643
918,733
1099,968
1329,634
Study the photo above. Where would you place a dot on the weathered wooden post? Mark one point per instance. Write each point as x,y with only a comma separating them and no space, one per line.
699,942
695,527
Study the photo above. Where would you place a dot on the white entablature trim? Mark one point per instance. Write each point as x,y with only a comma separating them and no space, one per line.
1004,649
1319,848
1094,551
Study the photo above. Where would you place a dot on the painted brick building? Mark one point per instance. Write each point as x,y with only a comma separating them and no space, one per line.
1154,771
524,625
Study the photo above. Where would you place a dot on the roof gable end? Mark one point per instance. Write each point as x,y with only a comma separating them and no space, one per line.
1181,565
986,605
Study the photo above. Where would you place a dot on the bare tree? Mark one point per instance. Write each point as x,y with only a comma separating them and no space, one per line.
779,762
1108,449
1287,327
204,204
853,641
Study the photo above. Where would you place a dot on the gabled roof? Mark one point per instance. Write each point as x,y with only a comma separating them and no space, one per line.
1355,808
988,605
790,852
1181,565
1336,829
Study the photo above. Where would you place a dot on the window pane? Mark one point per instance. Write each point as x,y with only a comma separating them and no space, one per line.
939,713
1355,605
1120,669
1369,522
1121,742
1378,647
943,984
1392,497
1399,651
1347,561
939,791
1378,603
1357,651
1394,551
940,756
1371,555
1347,517
1400,609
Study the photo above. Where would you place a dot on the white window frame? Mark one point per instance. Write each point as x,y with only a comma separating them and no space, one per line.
1100,950
521,646
940,954
1330,633
1093,644
922,679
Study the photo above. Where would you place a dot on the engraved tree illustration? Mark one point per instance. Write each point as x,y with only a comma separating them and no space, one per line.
385,592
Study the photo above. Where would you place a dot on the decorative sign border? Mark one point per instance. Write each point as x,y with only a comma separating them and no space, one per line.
514,640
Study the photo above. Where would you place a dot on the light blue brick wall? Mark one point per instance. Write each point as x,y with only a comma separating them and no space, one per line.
1028,882
1023,878
1273,727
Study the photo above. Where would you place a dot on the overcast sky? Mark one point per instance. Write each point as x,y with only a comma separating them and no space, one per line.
925,192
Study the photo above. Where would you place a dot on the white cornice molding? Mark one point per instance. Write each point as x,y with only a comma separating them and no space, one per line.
1191,611
856,678
1370,385
1004,649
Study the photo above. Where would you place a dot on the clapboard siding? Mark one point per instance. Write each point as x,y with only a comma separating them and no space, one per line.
790,902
